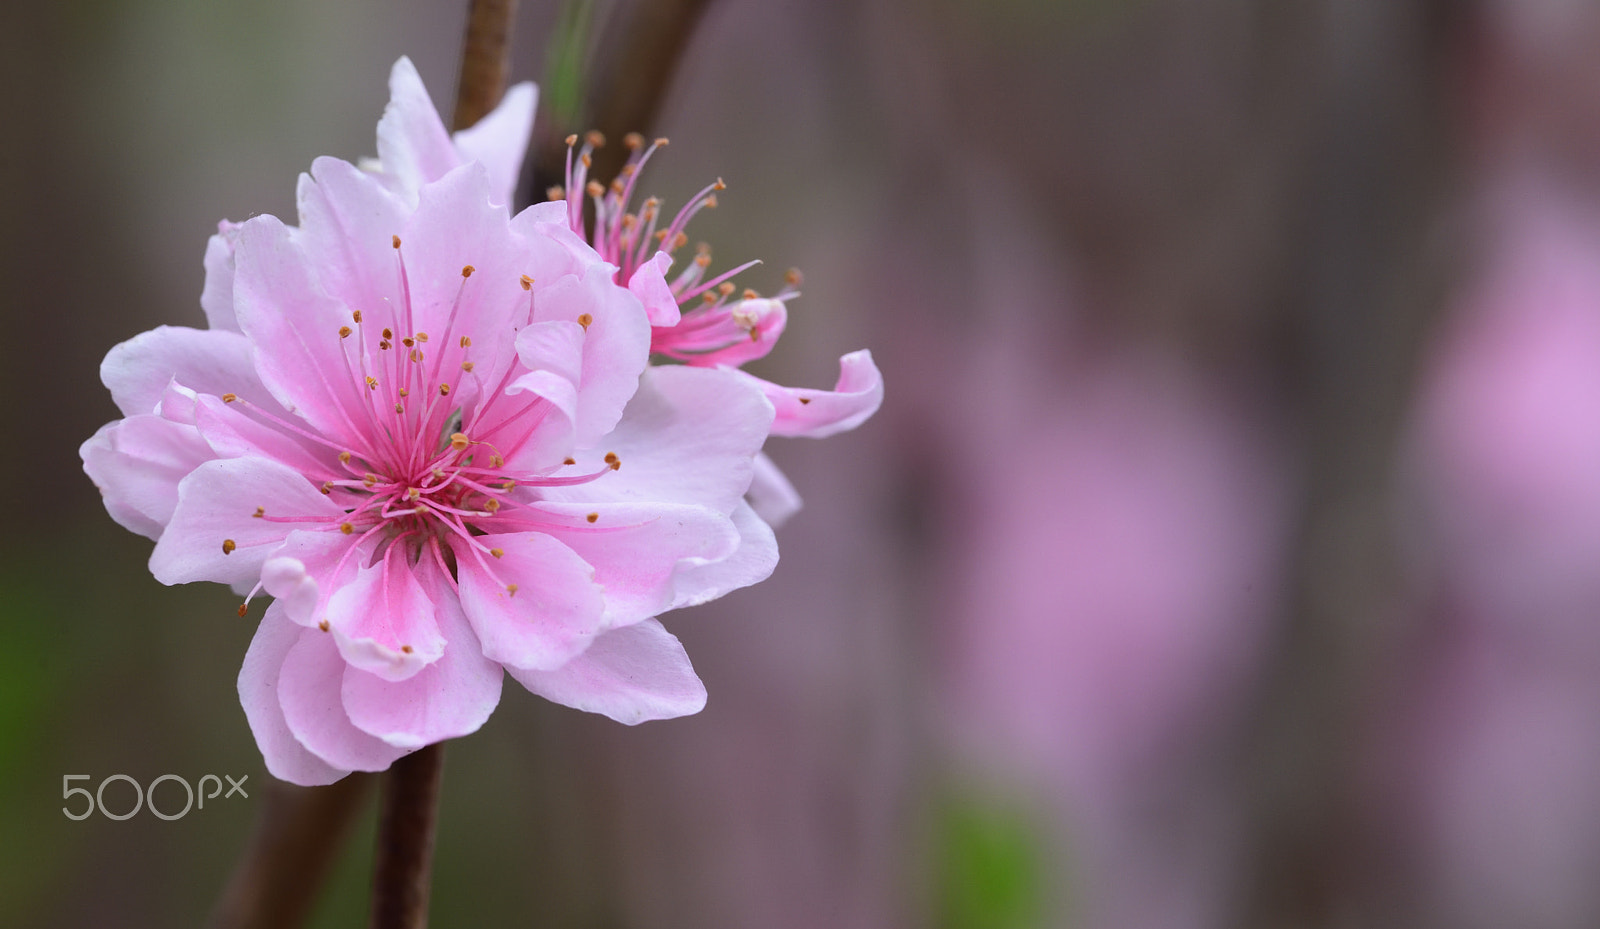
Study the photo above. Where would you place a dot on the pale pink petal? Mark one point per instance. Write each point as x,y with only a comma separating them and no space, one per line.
535,606
751,563
413,146
771,495
384,621
216,298
348,222
309,691
638,548
309,568
203,360
545,226
817,414
137,463
536,431
500,139
286,758
233,433
633,675
649,284
293,328
616,344
214,534
688,436
449,698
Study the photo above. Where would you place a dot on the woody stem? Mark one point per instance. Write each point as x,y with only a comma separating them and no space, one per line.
403,865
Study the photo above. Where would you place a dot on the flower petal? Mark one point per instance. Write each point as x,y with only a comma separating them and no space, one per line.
348,221
752,563
633,674
216,298
689,436
817,414
771,495
384,620
412,143
536,606
137,463
293,328
286,758
308,569
500,140
309,691
637,548
616,344
203,360
450,697
214,534
649,284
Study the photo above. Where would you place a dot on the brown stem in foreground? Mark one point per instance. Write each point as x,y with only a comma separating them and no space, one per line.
485,60
298,833
402,869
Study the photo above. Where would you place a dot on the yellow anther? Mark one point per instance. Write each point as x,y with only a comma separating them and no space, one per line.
585,320
438,474
511,589
466,270
570,461
595,137
592,517
793,277
725,288
572,139
466,342
750,294
355,315
384,345
406,648
228,545
612,460
326,488
413,493
388,333
346,528
323,625
422,337
243,609
416,354
497,552
555,192
466,366
344,332
527,282
458,440
404,392
420,508
444,390
260,512
719,185
408,342
372,382
399,409
594,189
396,241
633,140
496,461
344,457
229,398
491,506
804,400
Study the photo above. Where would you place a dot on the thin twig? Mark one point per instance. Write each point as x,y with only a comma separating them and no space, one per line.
402,870
298,833
485,60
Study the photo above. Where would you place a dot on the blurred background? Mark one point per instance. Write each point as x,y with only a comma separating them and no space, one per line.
1225,553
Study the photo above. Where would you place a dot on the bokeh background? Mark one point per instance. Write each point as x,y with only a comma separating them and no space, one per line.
1226,553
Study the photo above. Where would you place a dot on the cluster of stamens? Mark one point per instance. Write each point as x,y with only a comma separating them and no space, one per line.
713,317
422,468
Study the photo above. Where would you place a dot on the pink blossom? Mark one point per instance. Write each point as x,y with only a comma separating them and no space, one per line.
696,318
427,428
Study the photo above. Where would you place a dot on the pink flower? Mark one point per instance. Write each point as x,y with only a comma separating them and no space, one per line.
426,427
718,330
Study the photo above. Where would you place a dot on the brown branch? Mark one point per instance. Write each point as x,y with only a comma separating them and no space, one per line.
485,60
298,833
633,67
402,870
